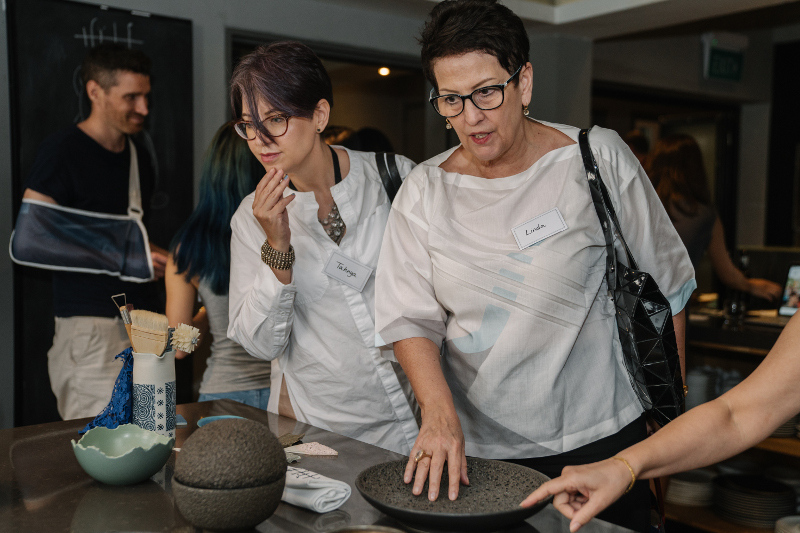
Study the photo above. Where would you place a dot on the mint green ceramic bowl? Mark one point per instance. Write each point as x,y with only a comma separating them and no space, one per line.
122,456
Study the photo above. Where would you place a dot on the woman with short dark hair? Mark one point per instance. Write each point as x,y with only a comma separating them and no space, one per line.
491,280
303,250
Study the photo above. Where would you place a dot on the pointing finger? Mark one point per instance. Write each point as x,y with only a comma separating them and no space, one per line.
550,488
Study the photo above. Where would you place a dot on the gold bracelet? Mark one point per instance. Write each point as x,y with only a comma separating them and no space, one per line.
633,476
275,259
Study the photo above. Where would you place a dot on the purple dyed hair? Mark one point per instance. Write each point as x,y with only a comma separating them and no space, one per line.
288,75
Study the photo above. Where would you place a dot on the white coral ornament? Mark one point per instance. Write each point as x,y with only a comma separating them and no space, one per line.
185,338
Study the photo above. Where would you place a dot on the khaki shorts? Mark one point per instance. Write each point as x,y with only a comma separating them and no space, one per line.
81,363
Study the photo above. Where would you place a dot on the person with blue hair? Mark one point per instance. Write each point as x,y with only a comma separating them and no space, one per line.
199,264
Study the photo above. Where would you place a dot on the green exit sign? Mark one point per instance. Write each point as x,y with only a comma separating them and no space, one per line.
723,55
725,65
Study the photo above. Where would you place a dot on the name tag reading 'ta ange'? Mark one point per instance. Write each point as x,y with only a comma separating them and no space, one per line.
539,228
347,270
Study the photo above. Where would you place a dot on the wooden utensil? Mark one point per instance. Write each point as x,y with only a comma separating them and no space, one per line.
149,331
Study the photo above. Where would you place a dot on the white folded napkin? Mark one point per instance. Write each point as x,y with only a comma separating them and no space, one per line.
314,491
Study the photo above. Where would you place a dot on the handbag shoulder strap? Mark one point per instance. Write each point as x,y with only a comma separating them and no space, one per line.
602,202
390,175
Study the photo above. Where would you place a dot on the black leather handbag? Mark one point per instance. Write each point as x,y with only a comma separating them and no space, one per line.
390,176
644,316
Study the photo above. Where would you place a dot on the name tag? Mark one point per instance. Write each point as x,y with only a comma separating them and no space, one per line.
539,228
347,270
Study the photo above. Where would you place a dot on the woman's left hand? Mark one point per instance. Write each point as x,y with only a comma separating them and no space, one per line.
442,441
584,491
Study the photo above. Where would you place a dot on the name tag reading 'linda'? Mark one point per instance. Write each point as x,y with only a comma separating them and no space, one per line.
539,228
347,270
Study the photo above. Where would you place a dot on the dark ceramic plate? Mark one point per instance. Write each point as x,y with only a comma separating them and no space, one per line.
489,503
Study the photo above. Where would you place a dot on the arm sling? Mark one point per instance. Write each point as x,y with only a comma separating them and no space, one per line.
55,237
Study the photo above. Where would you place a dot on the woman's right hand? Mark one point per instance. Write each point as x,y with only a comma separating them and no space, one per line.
269,208
581,492
440,437
764,288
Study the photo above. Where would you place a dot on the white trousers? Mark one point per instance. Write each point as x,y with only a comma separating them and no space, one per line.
81,363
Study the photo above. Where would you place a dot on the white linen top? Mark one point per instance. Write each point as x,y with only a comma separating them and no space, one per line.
529,342
321,331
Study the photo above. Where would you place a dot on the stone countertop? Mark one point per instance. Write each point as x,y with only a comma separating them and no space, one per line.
43,488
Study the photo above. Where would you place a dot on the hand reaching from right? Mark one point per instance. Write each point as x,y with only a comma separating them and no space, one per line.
581,492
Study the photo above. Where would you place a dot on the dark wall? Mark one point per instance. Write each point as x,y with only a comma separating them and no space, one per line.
47,42
783,186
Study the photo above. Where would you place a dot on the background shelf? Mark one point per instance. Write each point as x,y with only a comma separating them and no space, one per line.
786,445
704,518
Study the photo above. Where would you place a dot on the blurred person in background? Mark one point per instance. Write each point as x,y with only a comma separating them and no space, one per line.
336,135
676,169
199,264
369,140
639,145
363,140
90,166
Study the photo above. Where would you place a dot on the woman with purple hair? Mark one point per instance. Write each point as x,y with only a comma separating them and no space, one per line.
304,248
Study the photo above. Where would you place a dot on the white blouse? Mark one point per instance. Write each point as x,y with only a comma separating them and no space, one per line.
529,342
320,330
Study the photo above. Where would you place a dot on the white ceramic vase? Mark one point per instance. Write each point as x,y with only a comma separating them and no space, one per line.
154,392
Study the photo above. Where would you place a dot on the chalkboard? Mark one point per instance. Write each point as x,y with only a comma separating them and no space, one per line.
49,39
47,42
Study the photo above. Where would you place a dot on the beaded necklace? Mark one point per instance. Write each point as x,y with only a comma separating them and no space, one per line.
333,224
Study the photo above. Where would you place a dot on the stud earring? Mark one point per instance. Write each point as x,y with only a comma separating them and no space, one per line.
318,130
448,125
525,110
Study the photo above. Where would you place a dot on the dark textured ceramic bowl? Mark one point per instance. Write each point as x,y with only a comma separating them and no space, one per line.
489,503
229,475
228,509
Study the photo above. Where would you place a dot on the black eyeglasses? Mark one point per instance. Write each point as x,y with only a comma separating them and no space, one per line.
276,126
484,98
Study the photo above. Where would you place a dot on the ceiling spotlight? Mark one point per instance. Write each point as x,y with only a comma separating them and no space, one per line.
383,71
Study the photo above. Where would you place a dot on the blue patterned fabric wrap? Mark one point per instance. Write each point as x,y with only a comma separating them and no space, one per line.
118,410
